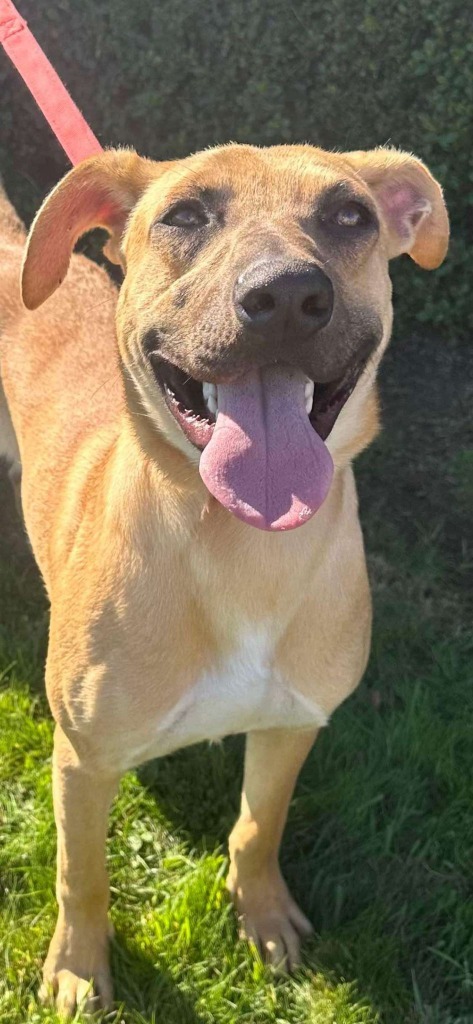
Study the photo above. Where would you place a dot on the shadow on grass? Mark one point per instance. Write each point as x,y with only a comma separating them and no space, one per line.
145,987
323,859
198,790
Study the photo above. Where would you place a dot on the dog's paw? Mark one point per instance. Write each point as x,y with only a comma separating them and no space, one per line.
76,973
68,992
270,919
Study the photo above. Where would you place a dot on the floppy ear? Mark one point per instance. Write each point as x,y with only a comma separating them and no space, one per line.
100,192
410,201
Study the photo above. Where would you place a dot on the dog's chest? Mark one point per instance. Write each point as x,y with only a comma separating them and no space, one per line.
240,693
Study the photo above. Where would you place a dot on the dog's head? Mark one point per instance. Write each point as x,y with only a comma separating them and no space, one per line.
256,298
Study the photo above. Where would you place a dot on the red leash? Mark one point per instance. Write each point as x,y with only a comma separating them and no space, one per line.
65,119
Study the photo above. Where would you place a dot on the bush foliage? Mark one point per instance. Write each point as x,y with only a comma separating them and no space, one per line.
179,75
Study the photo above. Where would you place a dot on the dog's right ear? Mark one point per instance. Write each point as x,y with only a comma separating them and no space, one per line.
100,192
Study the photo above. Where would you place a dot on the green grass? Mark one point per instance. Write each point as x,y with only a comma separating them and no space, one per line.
379,844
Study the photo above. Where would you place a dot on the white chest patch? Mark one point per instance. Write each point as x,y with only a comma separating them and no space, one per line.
242,694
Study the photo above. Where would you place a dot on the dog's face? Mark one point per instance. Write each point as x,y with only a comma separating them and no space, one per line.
240,259
256,291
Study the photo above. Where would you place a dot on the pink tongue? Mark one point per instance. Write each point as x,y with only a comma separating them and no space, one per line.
265,462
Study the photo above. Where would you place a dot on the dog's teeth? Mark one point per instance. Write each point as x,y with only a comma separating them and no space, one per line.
209,392
309,395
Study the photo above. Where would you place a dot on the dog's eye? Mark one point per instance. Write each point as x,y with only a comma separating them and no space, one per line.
351,215
186,215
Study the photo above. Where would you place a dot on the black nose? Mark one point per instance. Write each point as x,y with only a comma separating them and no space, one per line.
295,297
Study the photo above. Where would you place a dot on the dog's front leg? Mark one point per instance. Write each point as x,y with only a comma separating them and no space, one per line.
77,967
268,914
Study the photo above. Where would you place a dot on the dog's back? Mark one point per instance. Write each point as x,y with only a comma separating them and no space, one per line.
71,338
11,227
12,238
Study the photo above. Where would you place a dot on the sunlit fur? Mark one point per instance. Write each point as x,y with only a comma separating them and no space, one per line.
157,592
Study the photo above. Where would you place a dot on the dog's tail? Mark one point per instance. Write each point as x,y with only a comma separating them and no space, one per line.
11,227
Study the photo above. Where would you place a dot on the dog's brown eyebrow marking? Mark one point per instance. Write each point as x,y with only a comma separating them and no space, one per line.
214,197
344,190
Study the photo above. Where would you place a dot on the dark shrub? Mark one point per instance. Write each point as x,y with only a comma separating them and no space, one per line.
178,75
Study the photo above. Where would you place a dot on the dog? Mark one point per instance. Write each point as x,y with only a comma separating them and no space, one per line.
186,447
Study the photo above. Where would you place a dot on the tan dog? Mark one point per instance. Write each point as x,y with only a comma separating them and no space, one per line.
250,274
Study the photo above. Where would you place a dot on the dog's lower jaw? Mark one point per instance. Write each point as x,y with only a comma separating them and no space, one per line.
151,419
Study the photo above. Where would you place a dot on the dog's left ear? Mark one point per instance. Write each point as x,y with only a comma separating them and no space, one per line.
99,192
410,201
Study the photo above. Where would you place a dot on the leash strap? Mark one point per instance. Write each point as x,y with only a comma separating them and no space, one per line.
59,109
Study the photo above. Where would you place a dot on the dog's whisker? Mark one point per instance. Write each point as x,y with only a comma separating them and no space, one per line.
104,302
111,379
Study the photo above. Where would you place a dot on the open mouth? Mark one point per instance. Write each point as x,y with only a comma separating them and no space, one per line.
195,404
261,438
